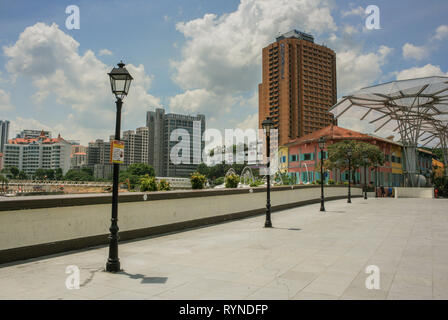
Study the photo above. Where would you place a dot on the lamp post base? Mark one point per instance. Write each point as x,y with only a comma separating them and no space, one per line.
322,208
113,266
268,224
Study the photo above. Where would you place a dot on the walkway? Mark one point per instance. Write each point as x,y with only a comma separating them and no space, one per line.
307,255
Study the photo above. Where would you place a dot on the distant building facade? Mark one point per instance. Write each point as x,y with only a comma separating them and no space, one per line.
30,154
78,160
161,126
98,152
4,134
136,146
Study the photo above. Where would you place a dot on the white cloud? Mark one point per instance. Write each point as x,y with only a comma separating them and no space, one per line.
223,53
69,133
420,72
251,122
359,11
350,30
79,83
356,69
221,57
441,32
105,52
201,100
5,101
414,52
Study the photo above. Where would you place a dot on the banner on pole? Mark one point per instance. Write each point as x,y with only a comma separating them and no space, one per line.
117,151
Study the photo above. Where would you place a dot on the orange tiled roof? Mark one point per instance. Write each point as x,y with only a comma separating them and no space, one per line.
43,138
331,132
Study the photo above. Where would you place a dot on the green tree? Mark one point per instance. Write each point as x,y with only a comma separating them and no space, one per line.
14,172
141,169
49,173
22,175
3,179
78,175
130,179
363,154
40,174
203,169
58,174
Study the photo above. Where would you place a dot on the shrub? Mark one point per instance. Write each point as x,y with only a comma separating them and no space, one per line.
148,183
197,180
441,183
164,185
256,183
345,183
317,181
232,181
219,180
330,181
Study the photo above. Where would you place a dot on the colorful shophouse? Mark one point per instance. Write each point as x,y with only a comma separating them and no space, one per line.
304,156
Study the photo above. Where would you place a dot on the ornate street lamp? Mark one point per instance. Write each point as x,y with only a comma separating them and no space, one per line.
267,125
349,155
321,143
120,81
366,160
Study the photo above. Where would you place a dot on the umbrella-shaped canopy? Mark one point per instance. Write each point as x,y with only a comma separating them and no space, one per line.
416,108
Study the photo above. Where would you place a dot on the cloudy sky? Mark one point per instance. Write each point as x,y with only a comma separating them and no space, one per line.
193,56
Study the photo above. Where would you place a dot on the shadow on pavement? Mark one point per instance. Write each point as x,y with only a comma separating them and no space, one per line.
145,279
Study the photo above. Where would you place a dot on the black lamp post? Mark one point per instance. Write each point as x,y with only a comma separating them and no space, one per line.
321,143
349,154
365,177
267,125
120,81
376,181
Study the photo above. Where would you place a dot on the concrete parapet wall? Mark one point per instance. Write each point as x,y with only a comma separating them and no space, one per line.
403,192
35,226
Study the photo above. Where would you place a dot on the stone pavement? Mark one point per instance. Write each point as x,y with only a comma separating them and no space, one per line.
307,255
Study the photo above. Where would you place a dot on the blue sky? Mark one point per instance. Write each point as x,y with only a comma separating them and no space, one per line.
193,56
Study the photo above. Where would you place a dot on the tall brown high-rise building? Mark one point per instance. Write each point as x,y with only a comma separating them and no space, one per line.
298,85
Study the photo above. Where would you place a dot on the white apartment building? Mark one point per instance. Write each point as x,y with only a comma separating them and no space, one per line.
30,154
136,146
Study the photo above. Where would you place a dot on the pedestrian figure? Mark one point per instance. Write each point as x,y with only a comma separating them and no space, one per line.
383,192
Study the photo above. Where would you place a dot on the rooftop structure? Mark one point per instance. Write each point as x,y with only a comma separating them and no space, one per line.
296,34
29,134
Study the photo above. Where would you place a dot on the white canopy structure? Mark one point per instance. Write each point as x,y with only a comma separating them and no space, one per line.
416,108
